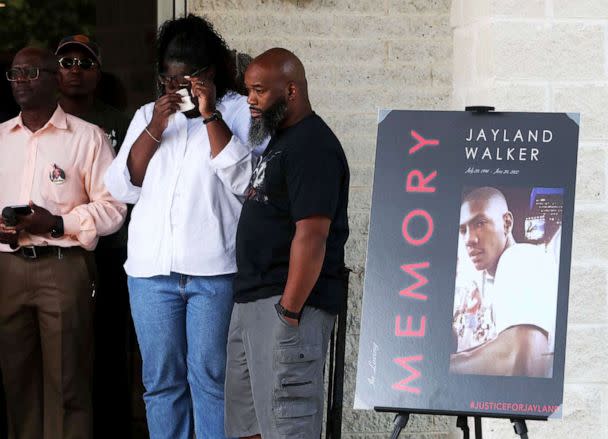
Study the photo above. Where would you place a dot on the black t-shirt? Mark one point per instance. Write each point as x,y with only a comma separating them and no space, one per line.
302,173
112,121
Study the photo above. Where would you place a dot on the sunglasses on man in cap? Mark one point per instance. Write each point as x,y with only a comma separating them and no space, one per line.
82,63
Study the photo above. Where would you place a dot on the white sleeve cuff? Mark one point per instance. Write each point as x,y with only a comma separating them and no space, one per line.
234,152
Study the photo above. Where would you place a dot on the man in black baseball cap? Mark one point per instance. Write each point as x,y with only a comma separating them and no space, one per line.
81,41
79,62
79,74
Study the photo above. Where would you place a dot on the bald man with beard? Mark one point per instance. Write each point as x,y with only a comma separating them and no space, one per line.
290,259
519,281
47,269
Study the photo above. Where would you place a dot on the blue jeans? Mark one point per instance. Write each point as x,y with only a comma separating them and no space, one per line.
182,326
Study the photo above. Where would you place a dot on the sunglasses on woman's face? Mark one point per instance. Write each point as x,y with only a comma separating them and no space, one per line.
83,63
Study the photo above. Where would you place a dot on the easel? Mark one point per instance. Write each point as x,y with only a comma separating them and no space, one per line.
402,418
519,424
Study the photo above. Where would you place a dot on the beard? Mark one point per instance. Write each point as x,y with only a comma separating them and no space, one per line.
268,123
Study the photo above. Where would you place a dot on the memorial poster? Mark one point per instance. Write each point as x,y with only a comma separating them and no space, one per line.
468,264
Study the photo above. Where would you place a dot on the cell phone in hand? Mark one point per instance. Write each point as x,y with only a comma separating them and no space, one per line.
22,209
10,214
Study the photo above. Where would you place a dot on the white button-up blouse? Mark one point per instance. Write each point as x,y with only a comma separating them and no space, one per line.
188,207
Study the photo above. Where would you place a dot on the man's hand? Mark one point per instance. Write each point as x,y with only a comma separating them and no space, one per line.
39,222
204,91
289,320
8,235
292,322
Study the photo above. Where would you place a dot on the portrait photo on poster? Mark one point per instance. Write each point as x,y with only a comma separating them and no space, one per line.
506,284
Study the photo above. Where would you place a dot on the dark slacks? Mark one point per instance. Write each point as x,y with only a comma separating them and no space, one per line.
46,343
3,431
114,340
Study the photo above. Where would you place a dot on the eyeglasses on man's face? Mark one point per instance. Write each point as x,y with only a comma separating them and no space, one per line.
83,63
25,73
181,80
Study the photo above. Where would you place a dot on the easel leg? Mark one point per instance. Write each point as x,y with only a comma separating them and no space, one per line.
400,423
462,422
478,432
519,425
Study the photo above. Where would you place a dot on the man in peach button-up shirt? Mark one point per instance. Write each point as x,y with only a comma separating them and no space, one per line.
54,162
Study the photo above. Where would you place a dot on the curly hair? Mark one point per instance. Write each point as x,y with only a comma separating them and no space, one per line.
192,40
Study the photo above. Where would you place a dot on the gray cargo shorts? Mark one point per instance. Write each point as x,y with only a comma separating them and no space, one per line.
274,372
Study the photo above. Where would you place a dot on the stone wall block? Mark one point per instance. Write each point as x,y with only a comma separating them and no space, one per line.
542,51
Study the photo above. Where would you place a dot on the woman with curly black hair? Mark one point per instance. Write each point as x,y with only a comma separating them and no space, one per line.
185,164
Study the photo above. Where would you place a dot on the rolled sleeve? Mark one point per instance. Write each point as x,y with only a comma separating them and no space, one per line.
71,224
117,178
234,165
118,182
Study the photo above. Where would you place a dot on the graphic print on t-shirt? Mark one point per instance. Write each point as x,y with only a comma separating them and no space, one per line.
112,137
257,189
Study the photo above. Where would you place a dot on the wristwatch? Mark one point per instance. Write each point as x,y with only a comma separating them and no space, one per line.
57,229
216,115
286,313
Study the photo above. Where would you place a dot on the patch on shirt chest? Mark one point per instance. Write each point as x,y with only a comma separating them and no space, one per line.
57,175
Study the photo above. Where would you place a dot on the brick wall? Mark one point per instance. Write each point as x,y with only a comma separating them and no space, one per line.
359,55
551,55
535,55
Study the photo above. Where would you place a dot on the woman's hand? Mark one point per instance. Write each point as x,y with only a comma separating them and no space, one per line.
164,107
204,91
